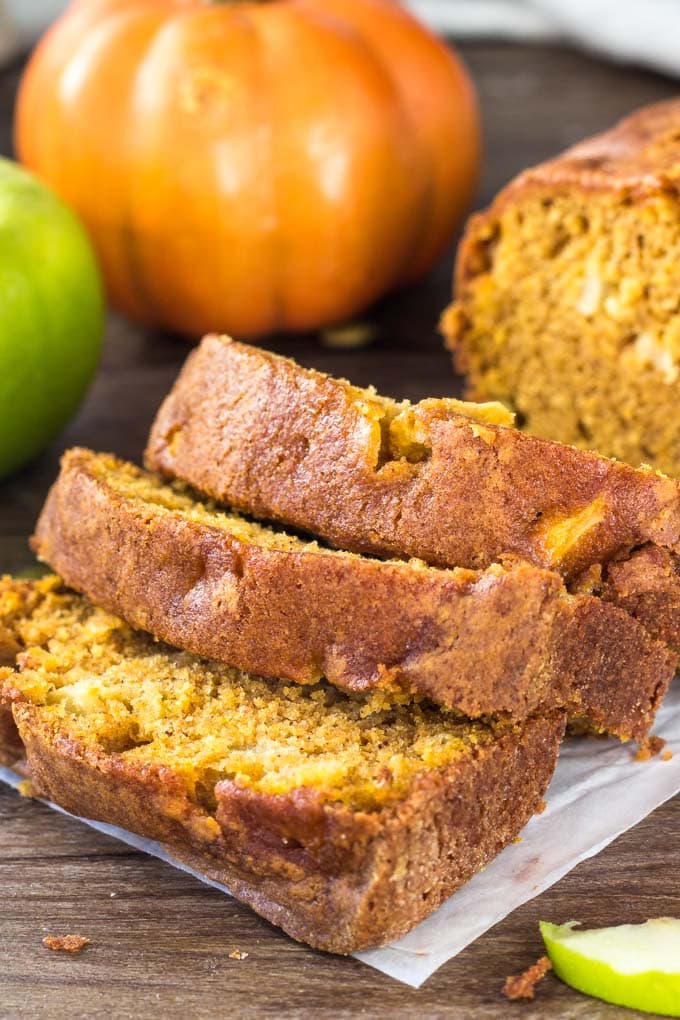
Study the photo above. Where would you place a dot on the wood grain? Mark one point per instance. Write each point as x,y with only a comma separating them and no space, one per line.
160,940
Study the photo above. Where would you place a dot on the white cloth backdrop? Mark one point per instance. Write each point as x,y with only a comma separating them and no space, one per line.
643,32
635,31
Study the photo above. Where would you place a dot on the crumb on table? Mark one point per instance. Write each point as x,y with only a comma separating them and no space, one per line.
650,748
65,943
238,954
666,756
352,335
522,986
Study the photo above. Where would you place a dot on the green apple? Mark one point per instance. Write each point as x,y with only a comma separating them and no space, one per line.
634,965
51,315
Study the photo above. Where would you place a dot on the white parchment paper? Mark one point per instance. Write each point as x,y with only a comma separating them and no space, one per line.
598,792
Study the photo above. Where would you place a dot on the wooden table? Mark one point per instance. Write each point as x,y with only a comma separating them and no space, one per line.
160,940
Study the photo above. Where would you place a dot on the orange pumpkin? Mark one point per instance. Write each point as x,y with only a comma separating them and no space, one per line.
252,166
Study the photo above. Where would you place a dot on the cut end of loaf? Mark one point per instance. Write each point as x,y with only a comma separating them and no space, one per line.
567,311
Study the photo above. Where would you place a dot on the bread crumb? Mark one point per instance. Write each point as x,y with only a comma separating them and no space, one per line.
522,986
517,839
238,954
589,582
650,748
26,788
353,335
666,756
541,807
65,943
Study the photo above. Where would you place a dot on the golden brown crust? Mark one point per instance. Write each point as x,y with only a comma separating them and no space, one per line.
591,643
258,432
338,879
503,641
647,585
11,747
640,155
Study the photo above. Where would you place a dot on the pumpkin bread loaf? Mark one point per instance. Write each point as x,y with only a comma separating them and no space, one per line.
445,481
508,640
566,296
345,820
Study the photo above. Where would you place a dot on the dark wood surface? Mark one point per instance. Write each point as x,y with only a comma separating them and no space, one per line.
160,940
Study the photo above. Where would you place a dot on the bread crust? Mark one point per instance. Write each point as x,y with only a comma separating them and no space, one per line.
647,585
338,879
638,156
258,432
11,747
502,641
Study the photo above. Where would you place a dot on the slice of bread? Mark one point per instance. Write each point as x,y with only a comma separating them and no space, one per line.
567,294
18,599
444,481
345,820
504,640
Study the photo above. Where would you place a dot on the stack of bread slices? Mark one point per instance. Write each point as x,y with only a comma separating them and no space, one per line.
346,720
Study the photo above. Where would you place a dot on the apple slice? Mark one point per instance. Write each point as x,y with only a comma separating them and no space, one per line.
634,965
